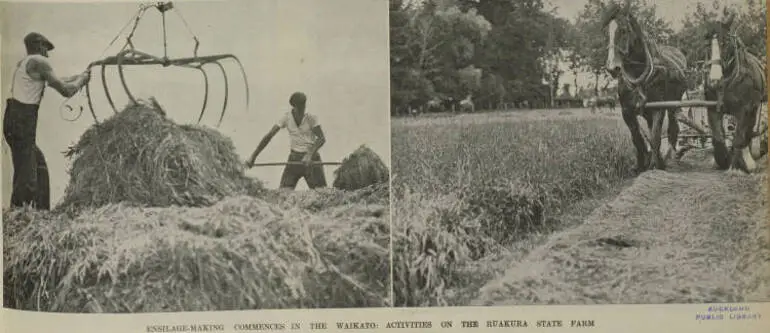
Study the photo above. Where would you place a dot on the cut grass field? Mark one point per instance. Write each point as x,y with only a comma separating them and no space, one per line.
471,191
539,207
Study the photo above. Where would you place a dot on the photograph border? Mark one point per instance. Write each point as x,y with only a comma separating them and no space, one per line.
602,318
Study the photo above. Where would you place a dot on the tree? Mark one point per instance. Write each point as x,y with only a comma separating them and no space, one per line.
523,36
470,79
408,85
590,41
431,43
751,28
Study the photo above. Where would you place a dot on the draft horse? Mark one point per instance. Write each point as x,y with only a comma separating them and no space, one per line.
736,81
646,71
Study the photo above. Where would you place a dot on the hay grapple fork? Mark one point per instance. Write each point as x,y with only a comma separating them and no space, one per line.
130,56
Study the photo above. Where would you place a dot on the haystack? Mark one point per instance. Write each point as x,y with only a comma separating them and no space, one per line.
363,168
139,156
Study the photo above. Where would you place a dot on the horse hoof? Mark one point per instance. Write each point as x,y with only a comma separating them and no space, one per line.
653,165
756,148
747,160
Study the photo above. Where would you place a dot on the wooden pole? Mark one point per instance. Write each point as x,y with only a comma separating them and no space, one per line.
679,104
687,121
295,163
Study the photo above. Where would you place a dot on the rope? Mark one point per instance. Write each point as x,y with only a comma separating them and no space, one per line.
189,30
187,26
62,106
135,19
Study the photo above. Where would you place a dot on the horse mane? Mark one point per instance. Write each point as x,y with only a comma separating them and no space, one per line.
610,13
750,62
669,59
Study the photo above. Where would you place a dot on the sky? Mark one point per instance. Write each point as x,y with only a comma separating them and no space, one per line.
336,51
673,11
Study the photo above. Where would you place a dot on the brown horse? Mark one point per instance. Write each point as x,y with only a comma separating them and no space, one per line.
737,82
646,71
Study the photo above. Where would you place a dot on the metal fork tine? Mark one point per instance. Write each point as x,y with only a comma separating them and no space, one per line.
205,94
123,78
243,73
106,89
90,103
227,92
245,80
128,57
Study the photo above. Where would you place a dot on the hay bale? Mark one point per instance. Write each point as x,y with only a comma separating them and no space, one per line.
241,253
361,169
141,157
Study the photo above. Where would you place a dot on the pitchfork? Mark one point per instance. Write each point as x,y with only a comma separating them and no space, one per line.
130,56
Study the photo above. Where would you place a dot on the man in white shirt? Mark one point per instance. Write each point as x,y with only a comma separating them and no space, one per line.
306,137
30,172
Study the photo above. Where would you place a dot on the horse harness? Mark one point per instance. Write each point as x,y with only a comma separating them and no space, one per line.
638,85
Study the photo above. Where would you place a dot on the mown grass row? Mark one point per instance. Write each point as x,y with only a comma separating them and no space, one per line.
465,192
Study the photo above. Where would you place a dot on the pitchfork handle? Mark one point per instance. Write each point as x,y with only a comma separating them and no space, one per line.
295,163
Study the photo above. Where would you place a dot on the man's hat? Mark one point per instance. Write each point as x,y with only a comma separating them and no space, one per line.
34,37
297,99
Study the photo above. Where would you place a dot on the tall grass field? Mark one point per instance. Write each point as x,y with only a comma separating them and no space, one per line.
472,188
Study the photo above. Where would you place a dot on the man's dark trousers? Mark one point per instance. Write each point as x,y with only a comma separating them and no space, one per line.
30,171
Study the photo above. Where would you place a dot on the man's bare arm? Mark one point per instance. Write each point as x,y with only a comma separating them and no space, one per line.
44,69
320,140
70,79
262,144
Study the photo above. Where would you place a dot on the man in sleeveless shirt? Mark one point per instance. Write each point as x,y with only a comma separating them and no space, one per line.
306,137
30,172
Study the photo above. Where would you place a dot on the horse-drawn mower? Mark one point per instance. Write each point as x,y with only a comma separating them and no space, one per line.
129,55
697,134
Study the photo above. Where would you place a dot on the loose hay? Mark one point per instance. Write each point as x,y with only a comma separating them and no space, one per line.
141,157
241,253
361,169
669,238
320,199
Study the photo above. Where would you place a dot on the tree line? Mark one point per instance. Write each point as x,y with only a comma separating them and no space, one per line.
507,52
